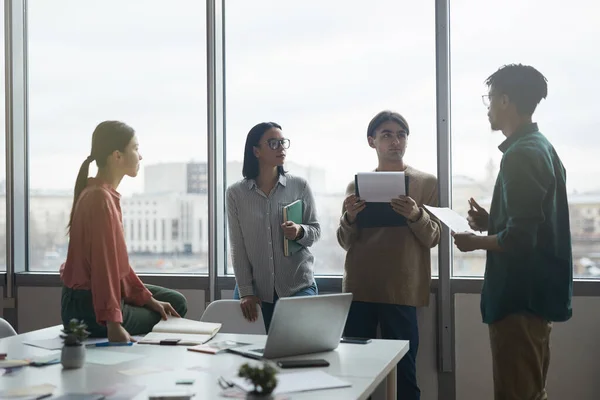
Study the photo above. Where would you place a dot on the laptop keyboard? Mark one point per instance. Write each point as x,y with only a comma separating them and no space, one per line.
259,351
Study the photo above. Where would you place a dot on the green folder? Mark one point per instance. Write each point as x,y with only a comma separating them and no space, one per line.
292,212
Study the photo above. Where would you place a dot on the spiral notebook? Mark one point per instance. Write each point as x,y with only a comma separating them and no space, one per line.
181,331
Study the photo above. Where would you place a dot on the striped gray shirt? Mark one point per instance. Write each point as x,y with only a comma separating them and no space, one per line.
256,238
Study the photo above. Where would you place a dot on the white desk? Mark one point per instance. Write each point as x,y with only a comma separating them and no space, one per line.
364,366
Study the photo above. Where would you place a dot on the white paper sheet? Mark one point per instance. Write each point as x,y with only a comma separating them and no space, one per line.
120,391
380,187
56,343
105,357
453,220
298,382
28,392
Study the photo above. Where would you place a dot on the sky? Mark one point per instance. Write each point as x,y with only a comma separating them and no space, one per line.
322,69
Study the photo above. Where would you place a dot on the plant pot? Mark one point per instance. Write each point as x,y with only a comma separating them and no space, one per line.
72,356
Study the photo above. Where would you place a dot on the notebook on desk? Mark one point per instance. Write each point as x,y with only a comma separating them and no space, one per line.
292,212
181,331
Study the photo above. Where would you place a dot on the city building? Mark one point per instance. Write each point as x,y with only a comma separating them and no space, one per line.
176,177
166,225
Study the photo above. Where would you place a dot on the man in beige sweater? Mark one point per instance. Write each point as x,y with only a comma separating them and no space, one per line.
388,269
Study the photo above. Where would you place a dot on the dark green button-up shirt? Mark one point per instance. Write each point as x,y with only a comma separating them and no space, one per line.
530,215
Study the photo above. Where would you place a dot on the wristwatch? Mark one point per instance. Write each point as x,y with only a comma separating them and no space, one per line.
300,234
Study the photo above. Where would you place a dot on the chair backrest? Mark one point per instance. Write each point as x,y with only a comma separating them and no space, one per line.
229,313
6,329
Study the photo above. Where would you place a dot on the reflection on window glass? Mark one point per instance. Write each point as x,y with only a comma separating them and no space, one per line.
140,62
322,70
567,117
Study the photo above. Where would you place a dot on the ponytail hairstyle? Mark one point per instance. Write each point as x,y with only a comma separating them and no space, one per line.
108,137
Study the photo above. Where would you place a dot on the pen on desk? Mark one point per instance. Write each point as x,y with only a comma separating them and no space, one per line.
108,344
10,370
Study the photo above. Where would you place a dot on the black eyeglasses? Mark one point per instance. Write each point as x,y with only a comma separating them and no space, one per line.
275,143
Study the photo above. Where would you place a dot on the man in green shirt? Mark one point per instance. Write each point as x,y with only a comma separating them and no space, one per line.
529,270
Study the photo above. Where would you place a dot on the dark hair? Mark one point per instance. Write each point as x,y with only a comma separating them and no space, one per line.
524,85
108,137
385,116
250,168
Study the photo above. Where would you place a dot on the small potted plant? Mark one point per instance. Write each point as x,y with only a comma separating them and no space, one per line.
73,351
263,378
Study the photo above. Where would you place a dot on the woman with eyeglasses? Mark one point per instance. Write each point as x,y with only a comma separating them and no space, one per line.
256,228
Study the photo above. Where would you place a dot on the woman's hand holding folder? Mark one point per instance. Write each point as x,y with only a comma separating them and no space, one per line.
291,230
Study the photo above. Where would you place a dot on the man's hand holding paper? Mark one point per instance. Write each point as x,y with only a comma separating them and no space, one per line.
353,206
456,222
478,221
407,207
465,241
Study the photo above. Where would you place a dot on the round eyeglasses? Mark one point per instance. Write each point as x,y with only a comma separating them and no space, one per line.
275,143
487,99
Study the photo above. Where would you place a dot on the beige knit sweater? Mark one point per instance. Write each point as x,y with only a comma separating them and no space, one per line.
392,264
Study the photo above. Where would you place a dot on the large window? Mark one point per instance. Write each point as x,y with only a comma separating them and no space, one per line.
557,40
142,62
322,70
2,151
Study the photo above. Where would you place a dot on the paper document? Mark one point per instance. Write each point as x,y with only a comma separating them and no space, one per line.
298,382
120,391
453,220
106,357
28,392
56,343
216,347
380,187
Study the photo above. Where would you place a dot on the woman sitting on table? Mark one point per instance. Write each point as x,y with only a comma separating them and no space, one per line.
263,272
99,285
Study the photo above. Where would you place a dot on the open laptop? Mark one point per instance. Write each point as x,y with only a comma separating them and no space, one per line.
303,325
